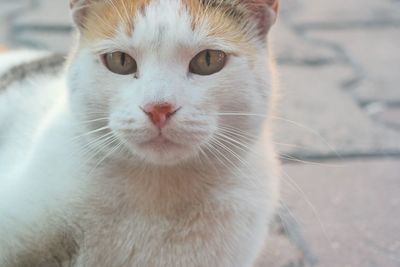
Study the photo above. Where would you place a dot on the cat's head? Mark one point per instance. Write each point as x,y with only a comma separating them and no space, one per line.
171,79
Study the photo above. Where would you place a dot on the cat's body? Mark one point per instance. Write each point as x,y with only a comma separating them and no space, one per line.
70,195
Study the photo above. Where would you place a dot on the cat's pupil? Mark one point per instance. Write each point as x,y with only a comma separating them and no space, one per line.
123,59
208,58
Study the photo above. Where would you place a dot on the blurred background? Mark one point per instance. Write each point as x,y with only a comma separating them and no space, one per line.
338,126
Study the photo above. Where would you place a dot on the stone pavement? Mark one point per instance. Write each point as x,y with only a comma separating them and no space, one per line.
340,68
349,212
339,63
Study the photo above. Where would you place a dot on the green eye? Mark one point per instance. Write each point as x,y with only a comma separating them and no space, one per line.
208,62
120,63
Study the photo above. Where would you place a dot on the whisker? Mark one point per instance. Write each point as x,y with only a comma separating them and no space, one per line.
91,132
94,120
223,146
238,114
96,112
106,156
207,158
294,159
245,165
100,138
288,157
211,149
233,153
240,145
293,183
91,149
308,129
239,133
235,142
92,153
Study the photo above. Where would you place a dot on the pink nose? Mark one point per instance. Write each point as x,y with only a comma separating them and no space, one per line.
159,113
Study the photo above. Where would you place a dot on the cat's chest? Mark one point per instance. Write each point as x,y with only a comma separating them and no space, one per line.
140,225
137,239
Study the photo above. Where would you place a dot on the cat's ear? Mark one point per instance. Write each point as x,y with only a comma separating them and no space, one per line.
79,10
264,12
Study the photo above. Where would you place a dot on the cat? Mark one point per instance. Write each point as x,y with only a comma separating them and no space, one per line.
150,147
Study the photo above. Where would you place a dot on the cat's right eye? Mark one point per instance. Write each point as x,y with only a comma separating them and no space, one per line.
120,63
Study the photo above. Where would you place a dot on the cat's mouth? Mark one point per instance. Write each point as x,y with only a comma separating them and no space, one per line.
178,141
163,151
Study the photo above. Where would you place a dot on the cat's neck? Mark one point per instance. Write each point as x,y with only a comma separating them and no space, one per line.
133,184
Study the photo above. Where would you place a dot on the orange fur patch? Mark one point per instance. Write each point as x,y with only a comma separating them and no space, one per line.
221,24
104,18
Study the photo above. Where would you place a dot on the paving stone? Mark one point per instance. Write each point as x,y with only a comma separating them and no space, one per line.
366,42
291,48
389,116
8,8
52,41
375,53
46,26
321,120
46,12
342,12
349,212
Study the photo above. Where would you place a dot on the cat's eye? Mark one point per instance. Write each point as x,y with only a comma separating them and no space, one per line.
208,62
120,63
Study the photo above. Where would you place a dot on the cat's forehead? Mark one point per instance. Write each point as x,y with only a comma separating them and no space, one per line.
160,21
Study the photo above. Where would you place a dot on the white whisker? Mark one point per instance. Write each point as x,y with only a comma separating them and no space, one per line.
91,132
308,129
106,156
291,182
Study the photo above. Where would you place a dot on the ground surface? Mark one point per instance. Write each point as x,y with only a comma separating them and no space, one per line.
339,125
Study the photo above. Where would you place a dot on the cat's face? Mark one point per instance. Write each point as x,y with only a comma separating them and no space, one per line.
166,76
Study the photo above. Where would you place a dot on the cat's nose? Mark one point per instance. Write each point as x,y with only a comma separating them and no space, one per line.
159,113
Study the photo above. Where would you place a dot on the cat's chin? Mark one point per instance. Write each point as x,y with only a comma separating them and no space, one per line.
162,151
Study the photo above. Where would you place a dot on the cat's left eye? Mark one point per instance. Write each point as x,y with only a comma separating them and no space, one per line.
208,62
120,63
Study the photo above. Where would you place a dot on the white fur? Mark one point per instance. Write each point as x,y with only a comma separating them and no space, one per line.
141,204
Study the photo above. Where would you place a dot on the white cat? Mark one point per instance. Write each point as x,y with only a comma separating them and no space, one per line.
152,146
